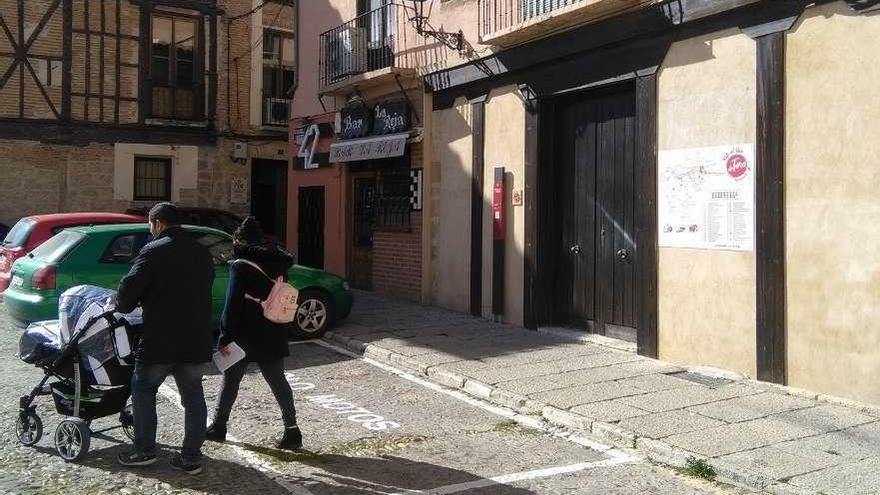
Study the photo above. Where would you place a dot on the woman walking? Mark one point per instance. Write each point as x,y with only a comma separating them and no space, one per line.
258,263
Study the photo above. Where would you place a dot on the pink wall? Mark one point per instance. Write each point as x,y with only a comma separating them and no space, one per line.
316,17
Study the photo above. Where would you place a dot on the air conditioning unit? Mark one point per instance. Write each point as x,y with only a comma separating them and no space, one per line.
276,111
346,52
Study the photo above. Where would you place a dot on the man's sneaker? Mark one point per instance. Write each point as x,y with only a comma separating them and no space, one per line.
292,439
177,462
136,459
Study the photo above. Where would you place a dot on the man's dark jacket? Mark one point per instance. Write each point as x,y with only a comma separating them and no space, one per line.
172,280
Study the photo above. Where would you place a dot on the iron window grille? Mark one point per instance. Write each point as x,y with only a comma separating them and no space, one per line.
393,200
152,179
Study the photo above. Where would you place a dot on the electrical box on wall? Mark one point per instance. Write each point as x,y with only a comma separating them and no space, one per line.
240,151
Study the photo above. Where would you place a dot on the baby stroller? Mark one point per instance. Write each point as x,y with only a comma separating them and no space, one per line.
88,362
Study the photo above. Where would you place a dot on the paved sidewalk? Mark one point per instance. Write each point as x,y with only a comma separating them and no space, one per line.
772,438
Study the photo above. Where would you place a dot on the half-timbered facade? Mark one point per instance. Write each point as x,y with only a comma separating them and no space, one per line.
109,104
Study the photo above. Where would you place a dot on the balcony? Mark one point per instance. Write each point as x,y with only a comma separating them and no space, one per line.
511,22
367,50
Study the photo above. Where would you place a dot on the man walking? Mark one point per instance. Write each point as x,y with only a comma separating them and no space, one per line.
171,279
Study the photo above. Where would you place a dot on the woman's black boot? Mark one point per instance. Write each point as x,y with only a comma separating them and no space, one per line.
216,433
292,439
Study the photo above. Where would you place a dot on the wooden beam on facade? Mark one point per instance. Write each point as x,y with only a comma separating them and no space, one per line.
770,210
646,216
531,203
118,62
478,140
67,60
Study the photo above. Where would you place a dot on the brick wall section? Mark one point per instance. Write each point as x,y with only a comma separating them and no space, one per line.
54,178
397,256
397,261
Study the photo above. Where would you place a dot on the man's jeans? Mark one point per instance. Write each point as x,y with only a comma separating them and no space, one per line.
144,387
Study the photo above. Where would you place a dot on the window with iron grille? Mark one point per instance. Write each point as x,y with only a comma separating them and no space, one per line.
279,52
393,199
175,56
152,179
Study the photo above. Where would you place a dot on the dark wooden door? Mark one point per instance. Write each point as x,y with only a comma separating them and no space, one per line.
311,227
595,145
269,196
363,220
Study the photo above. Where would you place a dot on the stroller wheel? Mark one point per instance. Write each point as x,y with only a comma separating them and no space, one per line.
29,428
127,421
72,438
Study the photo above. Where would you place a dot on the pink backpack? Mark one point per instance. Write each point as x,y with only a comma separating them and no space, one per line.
280,305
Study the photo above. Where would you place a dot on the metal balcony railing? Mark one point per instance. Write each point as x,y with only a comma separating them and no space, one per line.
501,15
369,42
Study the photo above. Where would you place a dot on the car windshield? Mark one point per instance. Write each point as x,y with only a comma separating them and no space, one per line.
56,248
18,236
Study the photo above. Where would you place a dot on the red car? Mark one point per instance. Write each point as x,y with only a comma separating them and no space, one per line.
32,231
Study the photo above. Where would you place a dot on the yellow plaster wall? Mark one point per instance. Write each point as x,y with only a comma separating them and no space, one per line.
832,208
707,298
451,219
505,147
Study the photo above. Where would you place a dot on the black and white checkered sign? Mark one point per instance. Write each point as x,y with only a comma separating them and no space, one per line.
415,189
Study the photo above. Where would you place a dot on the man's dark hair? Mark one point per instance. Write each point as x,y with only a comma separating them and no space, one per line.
165,213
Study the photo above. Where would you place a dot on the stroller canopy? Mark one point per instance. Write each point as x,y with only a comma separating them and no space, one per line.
104,346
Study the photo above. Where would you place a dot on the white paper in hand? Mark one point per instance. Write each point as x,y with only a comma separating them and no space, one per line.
228,356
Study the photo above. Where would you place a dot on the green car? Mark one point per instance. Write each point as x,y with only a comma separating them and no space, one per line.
102,255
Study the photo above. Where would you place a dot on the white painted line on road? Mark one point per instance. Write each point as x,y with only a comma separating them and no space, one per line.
521,419
250,457
517,477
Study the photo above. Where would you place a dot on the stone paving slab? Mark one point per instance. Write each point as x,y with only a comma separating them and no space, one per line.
780,464
611,411
532,385
752,407
859,478
669,423
585,394
681,398
825,418
738,437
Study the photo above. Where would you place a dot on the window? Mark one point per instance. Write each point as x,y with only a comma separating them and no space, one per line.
18,236
56,248
152,179
220,247
174,67
393,201
125,248
279,55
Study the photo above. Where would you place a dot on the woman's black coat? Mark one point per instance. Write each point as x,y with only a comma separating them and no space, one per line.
243,321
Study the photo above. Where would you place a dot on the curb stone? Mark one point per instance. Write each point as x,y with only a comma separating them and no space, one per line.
655,450
614,434
559,417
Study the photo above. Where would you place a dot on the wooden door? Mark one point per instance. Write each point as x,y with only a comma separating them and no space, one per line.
594,153
311,227
269,196
363,221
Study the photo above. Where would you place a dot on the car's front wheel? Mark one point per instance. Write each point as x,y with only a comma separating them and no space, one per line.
313,316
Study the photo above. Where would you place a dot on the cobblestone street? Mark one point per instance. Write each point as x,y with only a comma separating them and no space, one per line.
367,428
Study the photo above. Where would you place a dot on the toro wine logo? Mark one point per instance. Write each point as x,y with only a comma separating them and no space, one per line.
737,165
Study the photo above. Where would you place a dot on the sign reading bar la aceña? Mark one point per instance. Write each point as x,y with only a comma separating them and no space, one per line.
391,117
